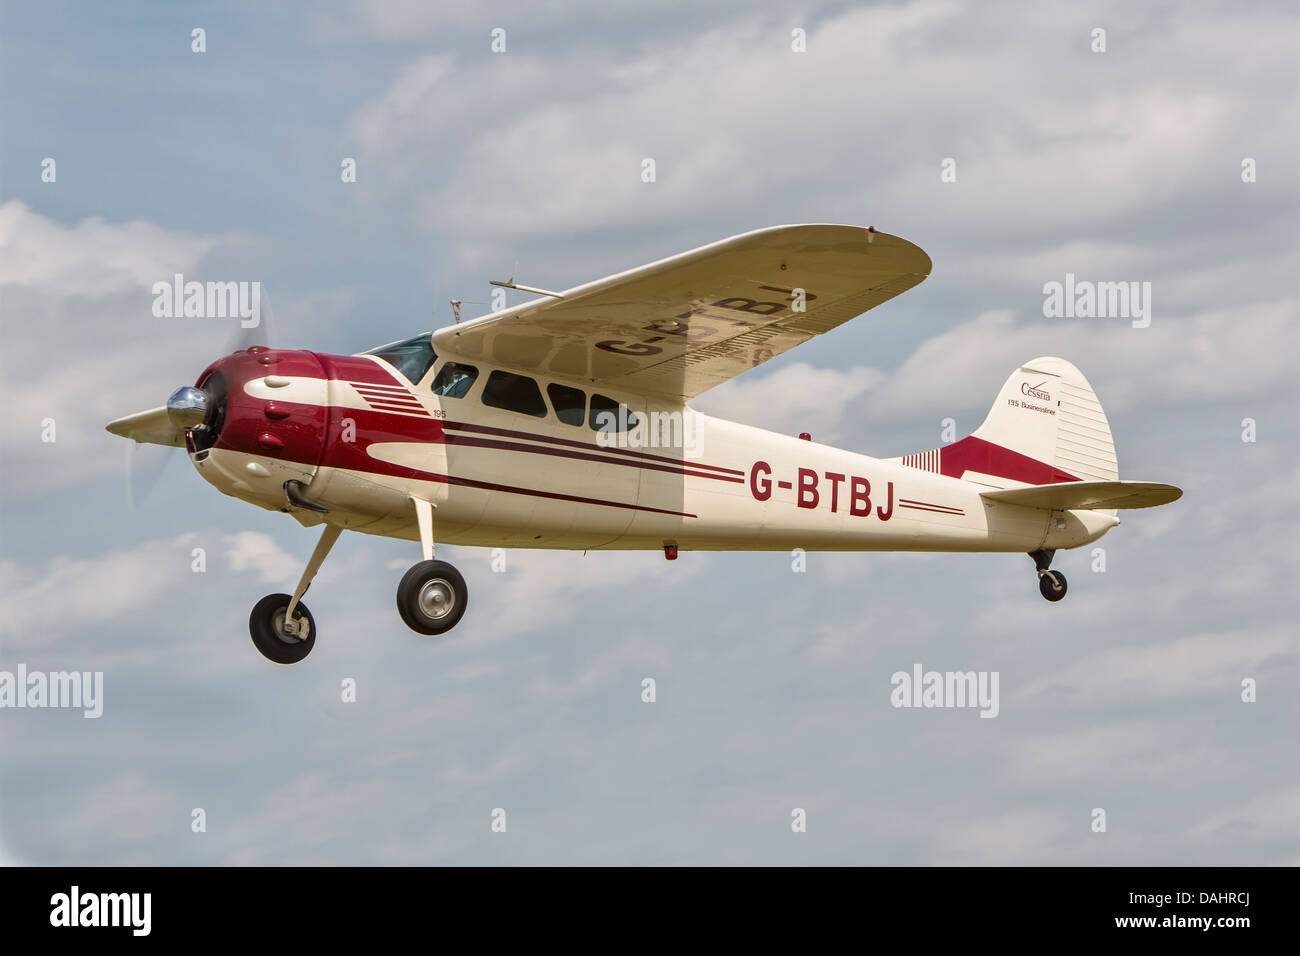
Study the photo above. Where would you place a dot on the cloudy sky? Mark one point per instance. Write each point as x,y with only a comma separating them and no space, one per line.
773,687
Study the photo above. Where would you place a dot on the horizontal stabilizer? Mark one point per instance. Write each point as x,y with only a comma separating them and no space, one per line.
153,427
1088,495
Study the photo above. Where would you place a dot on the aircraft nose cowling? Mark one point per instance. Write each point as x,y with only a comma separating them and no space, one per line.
270,426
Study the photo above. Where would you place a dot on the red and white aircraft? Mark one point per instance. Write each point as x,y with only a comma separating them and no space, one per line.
563,423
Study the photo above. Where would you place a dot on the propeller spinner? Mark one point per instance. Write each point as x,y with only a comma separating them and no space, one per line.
188,407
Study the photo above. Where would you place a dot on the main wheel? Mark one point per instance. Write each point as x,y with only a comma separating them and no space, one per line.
1051,584
432,597
266,625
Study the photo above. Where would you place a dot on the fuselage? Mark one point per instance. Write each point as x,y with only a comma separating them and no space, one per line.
507,463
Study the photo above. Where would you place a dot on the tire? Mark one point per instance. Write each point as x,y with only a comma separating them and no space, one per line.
1051,589
432,597
265,625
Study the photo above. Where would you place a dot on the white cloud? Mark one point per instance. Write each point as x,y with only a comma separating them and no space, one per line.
795,398
82,346
839,125
1199,665
380,124
129,809
1270,817
59,599
1014,838
1177,362
93,259
255,551
556,586
1226,355
1121,751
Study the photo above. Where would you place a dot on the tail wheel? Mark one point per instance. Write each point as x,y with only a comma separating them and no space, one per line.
273,637
432,597
1051,584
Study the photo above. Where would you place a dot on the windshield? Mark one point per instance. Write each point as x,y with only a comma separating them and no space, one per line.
412,358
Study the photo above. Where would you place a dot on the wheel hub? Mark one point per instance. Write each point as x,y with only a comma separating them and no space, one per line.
281,630
437,598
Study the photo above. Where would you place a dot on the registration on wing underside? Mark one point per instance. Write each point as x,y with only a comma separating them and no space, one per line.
675,328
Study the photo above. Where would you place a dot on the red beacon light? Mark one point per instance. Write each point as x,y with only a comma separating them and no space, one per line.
805,436
670,552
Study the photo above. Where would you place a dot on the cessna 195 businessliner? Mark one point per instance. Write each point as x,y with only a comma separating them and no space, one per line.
558,424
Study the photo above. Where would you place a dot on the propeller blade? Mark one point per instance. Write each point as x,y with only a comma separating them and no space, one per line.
145,464
151,426
153,431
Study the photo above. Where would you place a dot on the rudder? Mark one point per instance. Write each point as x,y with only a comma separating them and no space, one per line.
1046,426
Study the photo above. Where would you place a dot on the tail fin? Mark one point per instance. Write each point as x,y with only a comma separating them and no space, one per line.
1046,427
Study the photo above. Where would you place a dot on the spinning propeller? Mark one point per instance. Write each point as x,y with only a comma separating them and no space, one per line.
188,408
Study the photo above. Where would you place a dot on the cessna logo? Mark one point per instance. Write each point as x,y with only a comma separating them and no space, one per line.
1035,391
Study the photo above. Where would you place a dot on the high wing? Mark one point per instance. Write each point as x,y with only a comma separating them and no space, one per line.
1090,495
677,327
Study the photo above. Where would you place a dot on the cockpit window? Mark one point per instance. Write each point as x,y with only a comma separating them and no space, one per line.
412,358
514,393
570,403
454,380
608,415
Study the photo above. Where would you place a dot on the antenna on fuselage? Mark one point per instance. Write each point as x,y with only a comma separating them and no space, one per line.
455,309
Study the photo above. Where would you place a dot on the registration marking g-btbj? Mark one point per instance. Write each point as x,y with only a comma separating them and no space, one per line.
809,491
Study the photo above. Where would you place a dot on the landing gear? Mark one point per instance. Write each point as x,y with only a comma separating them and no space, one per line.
281,626
273,637
1051,584
432,597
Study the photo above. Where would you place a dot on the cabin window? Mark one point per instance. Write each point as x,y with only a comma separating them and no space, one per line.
514,393
570,404
412,358
454,380
608,415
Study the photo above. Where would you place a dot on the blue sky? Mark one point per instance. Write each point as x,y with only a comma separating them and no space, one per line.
773,686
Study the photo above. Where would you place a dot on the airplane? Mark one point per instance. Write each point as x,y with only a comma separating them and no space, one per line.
564,422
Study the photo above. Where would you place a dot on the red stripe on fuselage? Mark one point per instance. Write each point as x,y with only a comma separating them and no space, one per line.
939,511
976,454
569,442
910,503
398,393
467,441
382,427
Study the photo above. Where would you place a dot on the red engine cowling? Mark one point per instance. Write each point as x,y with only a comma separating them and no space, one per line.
267,423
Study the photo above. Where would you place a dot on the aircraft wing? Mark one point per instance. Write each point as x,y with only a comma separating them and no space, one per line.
1089,495
679,326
